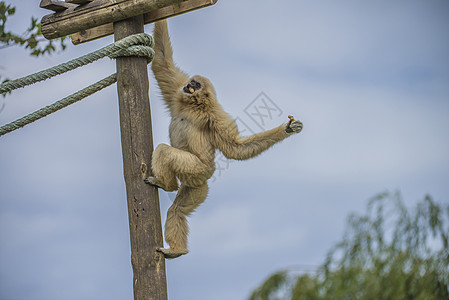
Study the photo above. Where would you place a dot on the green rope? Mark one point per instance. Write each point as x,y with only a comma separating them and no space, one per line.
113,50
135,45
43,112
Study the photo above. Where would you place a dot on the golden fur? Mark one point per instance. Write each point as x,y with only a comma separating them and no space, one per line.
198,127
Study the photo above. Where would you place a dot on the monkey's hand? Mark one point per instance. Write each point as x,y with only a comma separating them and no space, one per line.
293,126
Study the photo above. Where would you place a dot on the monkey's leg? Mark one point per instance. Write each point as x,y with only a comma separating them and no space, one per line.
169,162
163,174
176,227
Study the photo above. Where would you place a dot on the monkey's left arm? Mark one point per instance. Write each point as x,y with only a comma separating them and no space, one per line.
235,147
169,77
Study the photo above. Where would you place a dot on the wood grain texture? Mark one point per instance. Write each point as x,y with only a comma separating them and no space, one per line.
153,16
54,5
96,13
137,148
78,1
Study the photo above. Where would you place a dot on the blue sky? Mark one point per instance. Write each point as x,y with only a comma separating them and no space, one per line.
369,80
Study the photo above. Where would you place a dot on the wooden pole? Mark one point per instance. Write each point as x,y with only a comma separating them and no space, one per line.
137,147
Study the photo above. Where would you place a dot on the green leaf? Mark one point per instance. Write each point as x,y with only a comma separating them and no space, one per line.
31,39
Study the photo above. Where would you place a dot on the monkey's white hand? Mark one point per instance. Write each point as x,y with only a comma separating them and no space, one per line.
293,126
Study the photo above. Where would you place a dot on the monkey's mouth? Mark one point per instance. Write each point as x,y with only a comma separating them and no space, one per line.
192,87
188,89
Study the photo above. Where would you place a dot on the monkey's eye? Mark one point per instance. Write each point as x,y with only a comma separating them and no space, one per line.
196,84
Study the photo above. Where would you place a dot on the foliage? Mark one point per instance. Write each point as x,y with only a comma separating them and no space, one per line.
388,253
31,39
271,288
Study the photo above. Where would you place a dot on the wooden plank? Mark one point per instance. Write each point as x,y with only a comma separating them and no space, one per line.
54,5
78,1
92,34
153,16
137,148
96,13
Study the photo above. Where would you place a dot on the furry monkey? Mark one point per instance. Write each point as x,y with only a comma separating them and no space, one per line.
198,127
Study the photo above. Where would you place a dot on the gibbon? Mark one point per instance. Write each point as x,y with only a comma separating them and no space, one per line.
198,127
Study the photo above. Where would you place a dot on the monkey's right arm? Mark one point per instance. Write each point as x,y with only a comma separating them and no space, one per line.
233,146
169,77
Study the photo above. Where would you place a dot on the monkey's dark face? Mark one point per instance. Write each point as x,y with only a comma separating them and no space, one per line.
192,87
198,92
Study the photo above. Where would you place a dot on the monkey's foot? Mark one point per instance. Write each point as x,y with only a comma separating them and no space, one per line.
152,180
170,253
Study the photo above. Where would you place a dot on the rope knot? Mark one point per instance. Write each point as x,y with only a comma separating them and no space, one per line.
140,44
